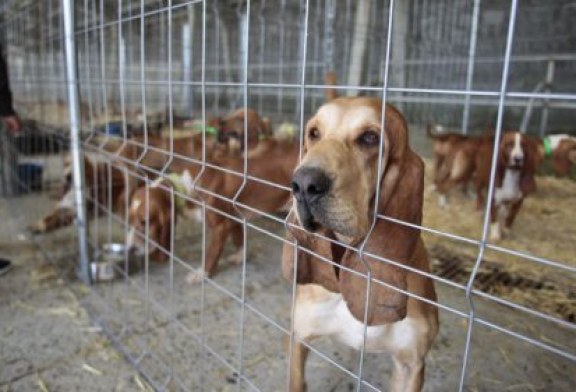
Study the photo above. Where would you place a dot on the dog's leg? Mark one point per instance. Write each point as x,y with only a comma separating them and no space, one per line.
513,210
238,240
297,365
479,196
218,236
408,373
495,226
57,219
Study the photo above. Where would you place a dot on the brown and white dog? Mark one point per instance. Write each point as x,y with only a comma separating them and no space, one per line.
514,180
220,151
151,212
562,148
454,160
334,190
103,172
102,180
274,164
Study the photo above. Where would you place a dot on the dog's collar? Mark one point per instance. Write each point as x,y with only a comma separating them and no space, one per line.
178,184
547,146
206,129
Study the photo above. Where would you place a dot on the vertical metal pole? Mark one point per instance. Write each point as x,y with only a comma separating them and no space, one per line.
186,66
330,16
470,71
546,103
361,25
490,195
75,145
187,52
399,48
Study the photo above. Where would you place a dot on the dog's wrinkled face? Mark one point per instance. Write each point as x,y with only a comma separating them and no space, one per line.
334,185
513,148
155,218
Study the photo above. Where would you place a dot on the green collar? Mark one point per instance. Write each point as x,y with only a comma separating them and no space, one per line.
206,129
176,180
547,147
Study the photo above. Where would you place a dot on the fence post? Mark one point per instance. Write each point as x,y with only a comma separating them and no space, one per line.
75,140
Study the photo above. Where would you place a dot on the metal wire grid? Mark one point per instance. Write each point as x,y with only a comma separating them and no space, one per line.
110,80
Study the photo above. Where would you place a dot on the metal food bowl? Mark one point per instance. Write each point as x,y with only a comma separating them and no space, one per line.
110,264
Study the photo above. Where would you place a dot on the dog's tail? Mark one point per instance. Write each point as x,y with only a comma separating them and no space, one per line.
330,80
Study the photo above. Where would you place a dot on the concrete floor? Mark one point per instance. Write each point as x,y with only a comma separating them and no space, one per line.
51,326
59,335
47,340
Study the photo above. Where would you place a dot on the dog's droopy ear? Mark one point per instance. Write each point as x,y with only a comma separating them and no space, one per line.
401,191
527,179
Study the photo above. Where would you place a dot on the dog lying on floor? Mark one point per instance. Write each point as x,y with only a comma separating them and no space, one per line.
105,184
334,190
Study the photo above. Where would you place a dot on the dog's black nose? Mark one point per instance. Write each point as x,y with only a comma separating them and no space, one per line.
518,160
309,183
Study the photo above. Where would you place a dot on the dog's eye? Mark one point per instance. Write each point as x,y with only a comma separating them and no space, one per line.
369,138
313,133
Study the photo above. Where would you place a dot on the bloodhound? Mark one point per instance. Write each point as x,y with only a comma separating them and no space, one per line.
334,190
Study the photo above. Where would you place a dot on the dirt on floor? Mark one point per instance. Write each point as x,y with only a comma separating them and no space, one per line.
187,337
545,227
62,335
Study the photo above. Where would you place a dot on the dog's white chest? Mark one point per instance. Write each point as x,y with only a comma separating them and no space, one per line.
328,315
510,190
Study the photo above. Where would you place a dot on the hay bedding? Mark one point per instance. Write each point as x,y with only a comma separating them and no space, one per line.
545,227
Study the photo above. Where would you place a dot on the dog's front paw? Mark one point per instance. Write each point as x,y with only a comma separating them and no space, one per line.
495,232
196,276
442,201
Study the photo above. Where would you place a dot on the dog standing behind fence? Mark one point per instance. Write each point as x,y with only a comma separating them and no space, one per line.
513,181
454,159
274,163
334,191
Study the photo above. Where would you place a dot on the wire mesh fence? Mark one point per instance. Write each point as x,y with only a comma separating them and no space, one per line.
150,116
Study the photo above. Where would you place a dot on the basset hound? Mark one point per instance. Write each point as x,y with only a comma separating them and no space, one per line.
334,191
514,180
454,159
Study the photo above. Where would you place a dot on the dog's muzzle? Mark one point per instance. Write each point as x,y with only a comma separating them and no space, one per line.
516,162
309,186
